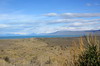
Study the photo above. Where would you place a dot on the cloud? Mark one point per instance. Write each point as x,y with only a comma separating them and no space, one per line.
80,15
89,4
74,15
27,24
80,24
51,14
73,21
71,26
92,4
18,33
17,17
14,33
4,25
97,4
20,18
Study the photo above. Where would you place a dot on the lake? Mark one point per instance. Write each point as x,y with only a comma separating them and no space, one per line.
38,36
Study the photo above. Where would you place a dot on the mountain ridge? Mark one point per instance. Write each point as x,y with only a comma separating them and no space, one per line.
64,32
76,32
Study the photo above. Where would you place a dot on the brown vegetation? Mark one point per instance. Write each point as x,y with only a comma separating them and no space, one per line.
44,51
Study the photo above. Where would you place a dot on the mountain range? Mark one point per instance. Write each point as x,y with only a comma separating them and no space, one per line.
57,33
86,32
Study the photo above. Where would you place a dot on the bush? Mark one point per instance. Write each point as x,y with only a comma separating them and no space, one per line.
7,59
91,55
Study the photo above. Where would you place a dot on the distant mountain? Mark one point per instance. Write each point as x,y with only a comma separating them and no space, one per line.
59,33
10,35
33,34
97,32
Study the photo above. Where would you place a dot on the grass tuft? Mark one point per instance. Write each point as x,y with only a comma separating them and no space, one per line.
91,55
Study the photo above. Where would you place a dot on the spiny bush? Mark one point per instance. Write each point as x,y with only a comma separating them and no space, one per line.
91,55
7,59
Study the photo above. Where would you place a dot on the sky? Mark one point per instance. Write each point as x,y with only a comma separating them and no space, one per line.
24,17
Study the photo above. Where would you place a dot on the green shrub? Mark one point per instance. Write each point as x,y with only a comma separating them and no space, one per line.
91,55
7,59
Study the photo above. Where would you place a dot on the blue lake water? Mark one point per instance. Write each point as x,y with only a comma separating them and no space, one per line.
38,36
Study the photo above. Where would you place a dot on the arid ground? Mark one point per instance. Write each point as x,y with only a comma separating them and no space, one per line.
37,51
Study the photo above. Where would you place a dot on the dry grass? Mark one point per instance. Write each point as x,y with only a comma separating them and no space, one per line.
34,52
84,44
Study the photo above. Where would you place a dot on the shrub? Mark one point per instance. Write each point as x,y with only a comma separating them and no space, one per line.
7,59
91,55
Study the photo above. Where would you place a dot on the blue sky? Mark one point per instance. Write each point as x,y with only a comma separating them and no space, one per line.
46,16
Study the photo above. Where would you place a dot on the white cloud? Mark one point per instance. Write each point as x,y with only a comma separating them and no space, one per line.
77,24
74,21
65,24
51,14
74,15
19,18
80,15
28,24
82,28
18,33
92,4
4,25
